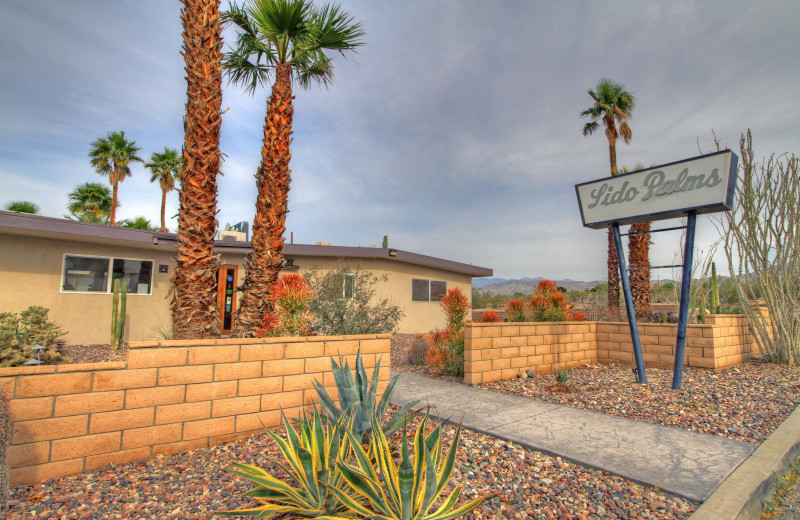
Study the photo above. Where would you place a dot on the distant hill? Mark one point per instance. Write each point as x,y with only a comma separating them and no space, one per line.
525,285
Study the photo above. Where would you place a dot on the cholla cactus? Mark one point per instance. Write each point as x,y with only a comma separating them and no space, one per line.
20,332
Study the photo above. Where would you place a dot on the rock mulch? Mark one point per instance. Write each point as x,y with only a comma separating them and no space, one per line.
195,485
746,402
91,353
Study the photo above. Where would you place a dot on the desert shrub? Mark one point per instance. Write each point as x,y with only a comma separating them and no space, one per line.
446,346
515,311
577,316
490,317
21,331
291,296
549,303
562,377
345,302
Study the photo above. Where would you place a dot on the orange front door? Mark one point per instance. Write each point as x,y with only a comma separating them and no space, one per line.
226,302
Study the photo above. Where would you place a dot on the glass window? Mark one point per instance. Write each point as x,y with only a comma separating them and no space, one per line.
85,274
438,290
420,290
137,273
349,287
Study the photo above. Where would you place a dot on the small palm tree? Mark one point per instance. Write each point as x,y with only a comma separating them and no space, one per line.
165,167
23,206
90,202
138,223
287,40
612,108
112,156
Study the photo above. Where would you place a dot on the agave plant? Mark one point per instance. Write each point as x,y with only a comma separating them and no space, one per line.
311,458
407,491
358,397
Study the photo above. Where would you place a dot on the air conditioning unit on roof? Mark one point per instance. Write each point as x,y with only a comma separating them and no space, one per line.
228,235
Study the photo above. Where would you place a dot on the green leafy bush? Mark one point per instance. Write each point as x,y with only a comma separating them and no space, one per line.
345,302
21,331
358,397
410,490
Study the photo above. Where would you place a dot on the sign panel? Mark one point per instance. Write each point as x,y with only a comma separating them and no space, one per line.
704,184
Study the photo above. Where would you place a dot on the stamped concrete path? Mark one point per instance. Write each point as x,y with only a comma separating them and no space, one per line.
687,464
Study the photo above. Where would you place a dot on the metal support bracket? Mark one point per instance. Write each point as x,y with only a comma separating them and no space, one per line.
641,375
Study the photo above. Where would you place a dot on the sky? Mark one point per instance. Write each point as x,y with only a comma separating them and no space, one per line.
455,130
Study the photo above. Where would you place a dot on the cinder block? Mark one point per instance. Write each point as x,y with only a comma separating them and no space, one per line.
188,374
260,385
518,362
319,364
144,397
173,448
241,370
208,427
345,348
117,458
64,449
212,355
182,412
299,382
492,375
281,367
150,436
519,341
261,352
509,373
253,421
48,429
41,472
500,364
53,384
121,420
283,400
156,357
509,330
375,346
304,350
210,391
481,343
236,406
491,332
29,409
509,352
125,379
28,454
76,404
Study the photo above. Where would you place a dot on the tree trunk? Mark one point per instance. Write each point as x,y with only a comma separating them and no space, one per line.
114,204
613,280
163,209
194,298
263,263
639,257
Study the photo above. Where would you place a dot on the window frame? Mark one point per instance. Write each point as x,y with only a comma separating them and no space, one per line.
110,281
344,286
428,280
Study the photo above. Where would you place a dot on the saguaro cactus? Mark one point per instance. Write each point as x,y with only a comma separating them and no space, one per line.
118,307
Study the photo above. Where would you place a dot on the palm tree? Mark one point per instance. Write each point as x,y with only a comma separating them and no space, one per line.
639,260
287,39
194,279
90,202
612,106
140,222
23,206
112,156
166,169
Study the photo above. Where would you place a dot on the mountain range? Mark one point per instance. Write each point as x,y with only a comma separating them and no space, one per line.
525,285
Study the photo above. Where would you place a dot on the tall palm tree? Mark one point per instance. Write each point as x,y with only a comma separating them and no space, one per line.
286,40
90,202
22,206
112,156
639,260
612,108
165,167
194,280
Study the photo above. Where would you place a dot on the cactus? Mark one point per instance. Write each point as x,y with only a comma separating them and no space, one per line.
118,308
701,318
419,349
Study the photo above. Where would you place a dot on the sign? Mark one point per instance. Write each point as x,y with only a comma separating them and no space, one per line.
704,184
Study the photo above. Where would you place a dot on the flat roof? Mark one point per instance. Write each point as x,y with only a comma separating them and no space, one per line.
26,224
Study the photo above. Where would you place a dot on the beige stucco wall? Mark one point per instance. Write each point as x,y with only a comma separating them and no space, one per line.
30,274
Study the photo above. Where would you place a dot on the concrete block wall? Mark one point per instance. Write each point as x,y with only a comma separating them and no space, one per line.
167,397
496,351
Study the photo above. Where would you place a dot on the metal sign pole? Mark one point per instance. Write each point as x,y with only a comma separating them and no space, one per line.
641,376
683,313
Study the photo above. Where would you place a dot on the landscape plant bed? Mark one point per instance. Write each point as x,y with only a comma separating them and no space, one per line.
745,402
91,353
195,485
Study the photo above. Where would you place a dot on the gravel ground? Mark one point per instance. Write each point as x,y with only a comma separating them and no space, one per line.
92,353
195,485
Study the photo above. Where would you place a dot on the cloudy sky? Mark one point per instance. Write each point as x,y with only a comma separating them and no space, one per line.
455,130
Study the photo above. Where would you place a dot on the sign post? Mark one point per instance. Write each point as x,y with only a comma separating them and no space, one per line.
687,188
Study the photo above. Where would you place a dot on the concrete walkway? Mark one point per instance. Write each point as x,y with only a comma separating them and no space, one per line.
687,464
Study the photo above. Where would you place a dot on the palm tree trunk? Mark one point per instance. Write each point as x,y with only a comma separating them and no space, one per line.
163,209
194,280
613,280
263,263
612,155
114,204
639,257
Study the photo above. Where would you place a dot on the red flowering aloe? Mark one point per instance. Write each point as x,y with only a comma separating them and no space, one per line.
290,297
490,317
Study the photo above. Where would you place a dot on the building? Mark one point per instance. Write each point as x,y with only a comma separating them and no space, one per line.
69,267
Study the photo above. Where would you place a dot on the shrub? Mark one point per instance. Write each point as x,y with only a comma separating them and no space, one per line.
409,490
515,310
345,302
455,306
562,377
577,316
20,332
549,303
446,349
291,296
490,317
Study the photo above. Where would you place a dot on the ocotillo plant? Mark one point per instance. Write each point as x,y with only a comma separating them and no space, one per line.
715,304
118,305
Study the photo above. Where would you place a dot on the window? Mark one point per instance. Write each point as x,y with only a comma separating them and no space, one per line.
91,274
428,290
349,287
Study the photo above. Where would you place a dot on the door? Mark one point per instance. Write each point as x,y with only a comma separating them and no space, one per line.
226,281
